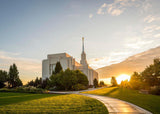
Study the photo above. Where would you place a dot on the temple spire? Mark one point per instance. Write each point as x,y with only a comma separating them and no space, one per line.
83,55
82,44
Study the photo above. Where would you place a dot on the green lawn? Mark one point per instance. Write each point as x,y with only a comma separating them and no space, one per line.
48,103
148,102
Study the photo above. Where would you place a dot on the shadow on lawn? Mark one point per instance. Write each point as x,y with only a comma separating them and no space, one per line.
109,92
6,100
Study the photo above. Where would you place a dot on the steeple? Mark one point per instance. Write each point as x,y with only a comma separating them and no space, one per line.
83,55
82,44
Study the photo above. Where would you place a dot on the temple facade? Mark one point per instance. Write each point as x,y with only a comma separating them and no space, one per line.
67,61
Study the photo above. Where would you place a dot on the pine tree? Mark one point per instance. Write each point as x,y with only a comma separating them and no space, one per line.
3,78
58,68
114,81
13,78
95,83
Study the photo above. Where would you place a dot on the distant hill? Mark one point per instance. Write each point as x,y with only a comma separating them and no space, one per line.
134,63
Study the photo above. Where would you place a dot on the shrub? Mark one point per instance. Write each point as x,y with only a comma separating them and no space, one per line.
95,83
114,81
155,90
79,87
101,84
68,80
2,85
29,89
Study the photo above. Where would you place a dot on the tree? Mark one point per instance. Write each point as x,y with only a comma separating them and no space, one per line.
125,84
69,80
81,78
95,83
13,78
101,83
30,83
45,83
3,78
114,81
151,73
18,82
36,82
136,81
58,68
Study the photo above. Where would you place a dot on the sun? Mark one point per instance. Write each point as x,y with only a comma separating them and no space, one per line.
122,77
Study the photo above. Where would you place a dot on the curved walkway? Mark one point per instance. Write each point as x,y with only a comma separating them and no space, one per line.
117,106
114,106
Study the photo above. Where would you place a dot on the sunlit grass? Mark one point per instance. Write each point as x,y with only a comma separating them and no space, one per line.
149,102
49,103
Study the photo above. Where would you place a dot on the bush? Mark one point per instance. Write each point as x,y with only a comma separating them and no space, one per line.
29,89
68,80
95,83
101,84
114,81
155,90
2,85
79,87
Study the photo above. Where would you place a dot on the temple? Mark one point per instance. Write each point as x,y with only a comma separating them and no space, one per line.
67,61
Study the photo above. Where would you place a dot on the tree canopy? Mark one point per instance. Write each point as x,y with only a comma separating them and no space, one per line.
3,78
13,76
58,68
151,73
69,80
95,83
113,81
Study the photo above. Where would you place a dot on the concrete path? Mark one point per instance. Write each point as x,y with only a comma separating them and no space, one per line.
116,106
73,92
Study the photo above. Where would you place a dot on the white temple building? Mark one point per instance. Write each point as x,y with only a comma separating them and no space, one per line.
67,61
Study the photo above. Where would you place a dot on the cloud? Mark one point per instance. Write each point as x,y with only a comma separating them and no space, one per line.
119,6
151,18
112,58
151,29
116,12
157,35
28,68
90,16
100,10
137,43
145,5
116,8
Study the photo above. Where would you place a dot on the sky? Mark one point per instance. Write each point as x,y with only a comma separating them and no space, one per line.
113,30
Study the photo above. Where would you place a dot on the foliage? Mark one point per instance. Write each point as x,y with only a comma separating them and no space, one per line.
81,78
49,103
147,79
58,68
101,84
148,102
68,79
125,84
136,81
45,83
95,83
79,87
13,78
29,89
3,78
114,81
155,90
39,83
151,74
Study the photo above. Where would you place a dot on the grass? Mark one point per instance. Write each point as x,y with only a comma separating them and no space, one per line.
148,102
48,103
